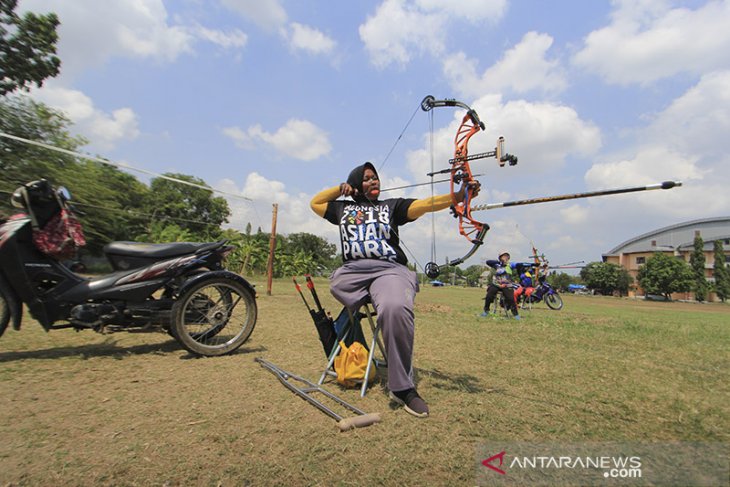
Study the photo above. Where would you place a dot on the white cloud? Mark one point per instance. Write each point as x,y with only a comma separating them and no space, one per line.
472,10
235,39
400,30
91,31
240,137
305,38
267,14
687,141
574,214
647,41
523,68
299,139
650,165
566,242
397,30
700,196
104,130
294,214
697,121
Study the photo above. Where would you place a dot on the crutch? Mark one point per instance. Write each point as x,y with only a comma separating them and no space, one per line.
361,419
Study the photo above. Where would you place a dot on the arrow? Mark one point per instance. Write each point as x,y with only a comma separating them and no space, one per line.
605,192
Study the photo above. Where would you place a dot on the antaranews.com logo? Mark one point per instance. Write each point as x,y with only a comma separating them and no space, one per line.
613,467
604,463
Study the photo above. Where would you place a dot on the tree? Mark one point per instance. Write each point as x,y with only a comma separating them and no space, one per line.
606,278
560,280
191,208
323,253
720,272
27,48
165,233
697,263
623,281
26,118
110,201
293,264
664,274
472,274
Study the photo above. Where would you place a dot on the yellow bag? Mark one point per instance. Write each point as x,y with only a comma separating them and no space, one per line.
351,364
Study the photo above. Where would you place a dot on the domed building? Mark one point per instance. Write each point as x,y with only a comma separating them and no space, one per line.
677,240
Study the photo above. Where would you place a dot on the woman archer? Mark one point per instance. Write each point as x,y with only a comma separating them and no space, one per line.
375,266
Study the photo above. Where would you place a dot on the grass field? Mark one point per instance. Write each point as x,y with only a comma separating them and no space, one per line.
135,409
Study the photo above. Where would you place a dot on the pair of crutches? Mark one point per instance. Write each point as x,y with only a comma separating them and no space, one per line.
307,389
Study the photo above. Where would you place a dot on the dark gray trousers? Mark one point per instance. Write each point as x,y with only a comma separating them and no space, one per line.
392,290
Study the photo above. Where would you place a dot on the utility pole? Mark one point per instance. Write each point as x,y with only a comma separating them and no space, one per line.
272,248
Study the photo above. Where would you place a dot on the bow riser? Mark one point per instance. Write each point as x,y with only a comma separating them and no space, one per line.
460,174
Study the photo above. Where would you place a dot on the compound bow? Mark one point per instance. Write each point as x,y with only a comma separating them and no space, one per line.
461,177
541,263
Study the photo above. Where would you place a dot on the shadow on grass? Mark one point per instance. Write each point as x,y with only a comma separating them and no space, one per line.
242,350
108,348
450,382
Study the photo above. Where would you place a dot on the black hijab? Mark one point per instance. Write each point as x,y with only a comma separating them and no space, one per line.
355,180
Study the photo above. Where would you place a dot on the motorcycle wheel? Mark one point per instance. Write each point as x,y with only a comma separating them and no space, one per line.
554,301
214,317
4,314
4,310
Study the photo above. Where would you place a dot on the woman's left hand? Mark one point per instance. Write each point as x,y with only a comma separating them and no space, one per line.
475,187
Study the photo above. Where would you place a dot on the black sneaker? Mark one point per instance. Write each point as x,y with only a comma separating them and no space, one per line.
411,401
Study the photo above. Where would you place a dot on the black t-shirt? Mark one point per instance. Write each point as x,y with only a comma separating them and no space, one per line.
369,230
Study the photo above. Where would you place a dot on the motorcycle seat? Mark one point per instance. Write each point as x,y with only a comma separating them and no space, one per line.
158,251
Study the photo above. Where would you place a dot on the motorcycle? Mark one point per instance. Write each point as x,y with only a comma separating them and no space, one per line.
545,292
181,288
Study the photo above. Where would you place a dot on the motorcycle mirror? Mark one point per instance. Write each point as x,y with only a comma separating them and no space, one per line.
63,193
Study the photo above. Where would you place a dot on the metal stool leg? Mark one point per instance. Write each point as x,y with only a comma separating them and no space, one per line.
328,370
375,342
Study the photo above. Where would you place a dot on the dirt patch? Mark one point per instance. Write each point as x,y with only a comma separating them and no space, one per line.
432,308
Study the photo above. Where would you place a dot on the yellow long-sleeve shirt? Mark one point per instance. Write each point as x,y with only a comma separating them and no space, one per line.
417,209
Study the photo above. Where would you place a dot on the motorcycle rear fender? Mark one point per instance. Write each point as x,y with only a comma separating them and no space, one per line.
214,274
15,305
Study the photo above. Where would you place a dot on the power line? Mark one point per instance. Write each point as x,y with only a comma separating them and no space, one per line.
134,212
118,165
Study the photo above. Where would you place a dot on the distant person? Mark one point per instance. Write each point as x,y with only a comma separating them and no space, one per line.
375,267
526,287
503,282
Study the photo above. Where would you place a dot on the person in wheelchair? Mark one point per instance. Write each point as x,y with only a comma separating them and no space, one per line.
525,289
375,267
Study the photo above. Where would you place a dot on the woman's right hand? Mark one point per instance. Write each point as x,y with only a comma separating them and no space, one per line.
347,190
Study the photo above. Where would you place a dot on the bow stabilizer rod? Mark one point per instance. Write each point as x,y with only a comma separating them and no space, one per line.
590,194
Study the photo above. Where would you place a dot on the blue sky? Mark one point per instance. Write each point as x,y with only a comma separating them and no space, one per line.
276,100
